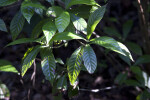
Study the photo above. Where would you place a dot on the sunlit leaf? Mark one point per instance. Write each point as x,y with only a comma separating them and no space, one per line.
2,26
113,45
94,19
54,11
28,61
79,23
66,36
89,58
16,25
62,21
49,30
73,65
6,66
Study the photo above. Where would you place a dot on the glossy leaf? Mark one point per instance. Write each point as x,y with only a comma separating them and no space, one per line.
94,19
73,65
135,48
66,36
20,41
6,66
113,45
127,28
50,1
48,64
49,30
38,28
143,59
27,11
69,3
7,2
16,25
62,21
79,23
54,11
89,58
62,82
125,59
58,60
2,26
28,61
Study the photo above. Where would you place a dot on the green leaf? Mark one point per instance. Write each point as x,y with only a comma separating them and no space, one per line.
94,19
50,1
27,52
120,79
113,45
73,65
81,11
70,28
135,48
20,41
127,28
62,21
125,59
143,59
62,82
54,11
130,82
16,25
66,36
48,64
2,26
6,66
28,61
33,4
38,28
89,58
49,30
58,60
112,32
7,2
79,23
69,3
27,11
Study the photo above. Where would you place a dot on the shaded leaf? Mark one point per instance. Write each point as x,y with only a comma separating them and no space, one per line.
2,26
48,64
16,25
94,19
69,3
7,2
125,59
66,36
62,82
54,11
70,28
62,21
28,61
127,28
50,1
130,82
120,79
79,23
38,28
143,59
112,32
6,66
49,30
20,41
73,65
113,45
135,48
89,58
